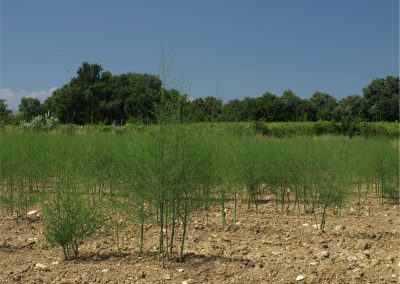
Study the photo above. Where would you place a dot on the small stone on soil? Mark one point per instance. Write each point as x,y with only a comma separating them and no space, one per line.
317,226
339,227
323,254
352,258
42,267
32,215
31,241
300,277
367,253
141,274
363,245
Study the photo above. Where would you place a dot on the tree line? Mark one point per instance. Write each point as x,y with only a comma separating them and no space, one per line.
95,96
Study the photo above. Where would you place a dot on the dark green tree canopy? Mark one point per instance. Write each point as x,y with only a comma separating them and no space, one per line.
96,96
5,113
207,109
291,104
324,104
382,99
30,108
351,108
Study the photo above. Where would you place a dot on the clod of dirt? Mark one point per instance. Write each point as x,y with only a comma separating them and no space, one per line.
5,244
141,275
324,245
31,241
317,226
357,273
300,277
324,254
363,245
367,253
390,258
42,267
66,281
352,258
340,227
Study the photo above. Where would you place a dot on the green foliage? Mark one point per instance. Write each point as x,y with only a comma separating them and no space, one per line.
261,128
95,96
208,109
30,108
5,113
325,127
69,217
323,104
351,108
160,174
382,98
41,122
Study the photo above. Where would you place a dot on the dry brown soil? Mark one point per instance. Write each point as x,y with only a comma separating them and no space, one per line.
265,247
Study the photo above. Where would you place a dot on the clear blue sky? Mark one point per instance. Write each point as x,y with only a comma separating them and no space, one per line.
229,49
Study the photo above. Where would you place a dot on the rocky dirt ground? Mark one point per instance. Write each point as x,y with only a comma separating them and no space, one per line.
265,247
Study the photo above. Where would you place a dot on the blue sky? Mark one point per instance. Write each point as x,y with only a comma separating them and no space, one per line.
230,49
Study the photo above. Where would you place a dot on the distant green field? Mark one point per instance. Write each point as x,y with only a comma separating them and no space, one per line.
275,129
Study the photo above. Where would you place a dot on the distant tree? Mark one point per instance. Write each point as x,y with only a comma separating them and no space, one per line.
88,74
382,99
249,106
324,104
233,111
350,108
307,111
83,99
214,108
290,106
30,108
206,109
141,95
5,113
176,105
265,107
67,103
197,111
94,96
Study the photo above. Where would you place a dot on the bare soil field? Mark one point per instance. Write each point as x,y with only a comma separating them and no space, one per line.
264,247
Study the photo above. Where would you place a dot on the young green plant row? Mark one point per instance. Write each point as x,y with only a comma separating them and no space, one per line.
161,174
